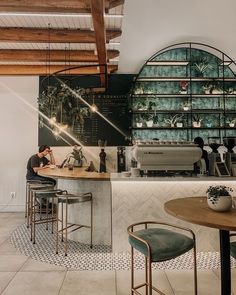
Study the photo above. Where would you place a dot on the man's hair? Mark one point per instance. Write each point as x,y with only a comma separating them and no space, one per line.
42,148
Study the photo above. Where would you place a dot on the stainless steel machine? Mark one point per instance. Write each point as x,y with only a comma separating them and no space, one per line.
166,156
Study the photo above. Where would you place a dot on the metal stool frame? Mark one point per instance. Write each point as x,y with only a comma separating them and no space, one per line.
64,197
44,192
148,262
33,184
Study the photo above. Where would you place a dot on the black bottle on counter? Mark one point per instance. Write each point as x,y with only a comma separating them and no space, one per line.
121,163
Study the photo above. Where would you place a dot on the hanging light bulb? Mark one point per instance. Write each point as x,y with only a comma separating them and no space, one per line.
52,120
94,108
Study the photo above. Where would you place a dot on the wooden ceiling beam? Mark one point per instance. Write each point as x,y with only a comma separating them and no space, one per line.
114,3
50,6
42,70
45,6
8,34
53,55
97,10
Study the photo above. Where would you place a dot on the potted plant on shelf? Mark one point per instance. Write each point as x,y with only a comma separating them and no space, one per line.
139,90
196,121
232,122
140,105
200,65
186,106
219,197
139,121
148,118
155,120
174,119
183,87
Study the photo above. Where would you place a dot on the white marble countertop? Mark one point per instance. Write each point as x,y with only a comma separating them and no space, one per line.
120,177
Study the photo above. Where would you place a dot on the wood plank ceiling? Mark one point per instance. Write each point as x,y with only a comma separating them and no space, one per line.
41,37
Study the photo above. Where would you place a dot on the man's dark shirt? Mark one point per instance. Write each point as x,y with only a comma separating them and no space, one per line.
35,161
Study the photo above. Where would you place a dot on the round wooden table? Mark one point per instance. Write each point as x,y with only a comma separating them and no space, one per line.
196,210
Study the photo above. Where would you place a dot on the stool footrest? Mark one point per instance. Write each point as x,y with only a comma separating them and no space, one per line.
39,221
78,226
134,289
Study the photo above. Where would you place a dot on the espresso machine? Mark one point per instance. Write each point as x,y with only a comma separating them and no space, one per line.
230,156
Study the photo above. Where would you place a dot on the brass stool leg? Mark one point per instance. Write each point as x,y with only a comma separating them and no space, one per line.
146,275
62,223
26,201
57,221
28,205
195,268
150,275
46,213
91,212
34,216
66,246
52,212
31,215
132,270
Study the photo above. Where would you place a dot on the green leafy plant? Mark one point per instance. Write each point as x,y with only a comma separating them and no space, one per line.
214,192
196,118
174,119
232,121
140,105
201,65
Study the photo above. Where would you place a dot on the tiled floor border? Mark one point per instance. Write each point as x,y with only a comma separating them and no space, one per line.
100,257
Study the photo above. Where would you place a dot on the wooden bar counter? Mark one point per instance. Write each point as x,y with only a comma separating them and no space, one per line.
76,173
80,181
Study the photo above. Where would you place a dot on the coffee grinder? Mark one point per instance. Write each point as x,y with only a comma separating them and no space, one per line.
230,156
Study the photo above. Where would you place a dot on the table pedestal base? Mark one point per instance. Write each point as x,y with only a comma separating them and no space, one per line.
225,262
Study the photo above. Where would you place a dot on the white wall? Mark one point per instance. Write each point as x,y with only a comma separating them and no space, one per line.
151,25
19,137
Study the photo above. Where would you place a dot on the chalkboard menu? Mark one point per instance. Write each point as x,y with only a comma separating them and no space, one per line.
111,123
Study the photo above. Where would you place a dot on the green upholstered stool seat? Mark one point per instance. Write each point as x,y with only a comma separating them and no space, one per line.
165,244
74,199
45,194
233,249
158,241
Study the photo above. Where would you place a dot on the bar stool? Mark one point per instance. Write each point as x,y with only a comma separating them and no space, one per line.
33,184
158,244
66,226
48,193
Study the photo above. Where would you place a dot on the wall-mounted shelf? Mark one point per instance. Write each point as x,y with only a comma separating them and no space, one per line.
190,74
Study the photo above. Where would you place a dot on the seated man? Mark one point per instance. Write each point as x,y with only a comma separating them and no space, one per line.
38,162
